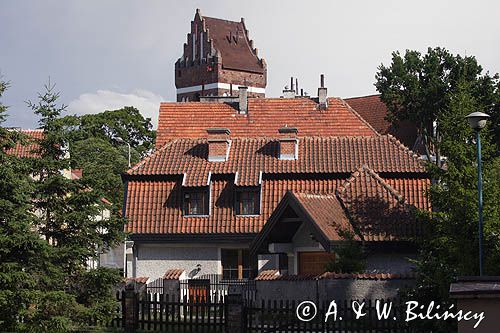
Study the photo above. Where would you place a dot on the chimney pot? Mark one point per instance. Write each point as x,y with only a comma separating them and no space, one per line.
322,94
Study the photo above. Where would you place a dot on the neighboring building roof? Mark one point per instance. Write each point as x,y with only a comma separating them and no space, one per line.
374,111
231,40
264,117
377,210
27,148
250,158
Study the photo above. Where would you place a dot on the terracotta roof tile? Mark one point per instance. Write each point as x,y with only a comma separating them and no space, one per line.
369,276
273,275
251,157
373,110
378,211
326,212
173,274
154,206
27,148
267,275
231,40
140,279
265,116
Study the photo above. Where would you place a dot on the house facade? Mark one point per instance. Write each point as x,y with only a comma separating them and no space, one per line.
223,170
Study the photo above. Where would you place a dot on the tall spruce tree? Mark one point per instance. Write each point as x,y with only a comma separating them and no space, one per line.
25,263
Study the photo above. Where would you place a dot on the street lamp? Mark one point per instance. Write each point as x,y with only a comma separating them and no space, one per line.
477,121
119,139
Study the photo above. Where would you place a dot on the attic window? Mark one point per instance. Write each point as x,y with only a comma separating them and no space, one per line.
247,201
196,202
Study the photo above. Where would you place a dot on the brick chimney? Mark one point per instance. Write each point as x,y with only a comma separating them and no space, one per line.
218,144
322,94
288,143
243,99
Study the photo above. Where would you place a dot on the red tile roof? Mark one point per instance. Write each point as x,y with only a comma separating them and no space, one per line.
27,148
369,276
326,212
153,206
265,116
373,110
173,274
378,211
231,40
140,279
273,275
250,158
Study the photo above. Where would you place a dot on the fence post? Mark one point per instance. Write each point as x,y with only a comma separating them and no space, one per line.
235,315
131,310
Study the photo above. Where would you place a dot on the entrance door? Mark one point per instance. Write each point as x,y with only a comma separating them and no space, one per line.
314,263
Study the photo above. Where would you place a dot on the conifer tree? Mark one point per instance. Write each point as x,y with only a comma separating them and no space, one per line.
51,227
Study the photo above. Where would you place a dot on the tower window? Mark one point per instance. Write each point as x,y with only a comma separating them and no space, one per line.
179,73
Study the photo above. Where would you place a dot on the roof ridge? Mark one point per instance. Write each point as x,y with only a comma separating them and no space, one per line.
219,19
365,168
364,96
396,141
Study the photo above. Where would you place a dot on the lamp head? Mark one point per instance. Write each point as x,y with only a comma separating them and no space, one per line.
477,120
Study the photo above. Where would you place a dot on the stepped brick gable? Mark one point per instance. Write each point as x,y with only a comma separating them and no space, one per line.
218,57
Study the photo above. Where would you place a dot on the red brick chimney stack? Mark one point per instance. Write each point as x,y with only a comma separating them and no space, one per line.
218,144
288,143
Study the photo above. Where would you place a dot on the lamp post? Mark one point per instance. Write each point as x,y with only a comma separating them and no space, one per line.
477,121
119,139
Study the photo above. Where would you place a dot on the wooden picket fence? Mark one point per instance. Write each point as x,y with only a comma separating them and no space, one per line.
168,313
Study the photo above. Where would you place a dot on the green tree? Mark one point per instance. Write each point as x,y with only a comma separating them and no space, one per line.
436,91
419,88
69,219
94,146
126,123
349,256
25,264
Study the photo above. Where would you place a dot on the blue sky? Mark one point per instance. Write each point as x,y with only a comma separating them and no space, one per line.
107,54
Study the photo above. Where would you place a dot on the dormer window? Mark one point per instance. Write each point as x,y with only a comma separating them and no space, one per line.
247,201
288,143
196,202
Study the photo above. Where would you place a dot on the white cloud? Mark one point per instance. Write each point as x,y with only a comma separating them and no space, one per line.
147,102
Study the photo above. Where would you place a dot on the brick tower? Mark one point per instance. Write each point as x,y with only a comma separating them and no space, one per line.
218,58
